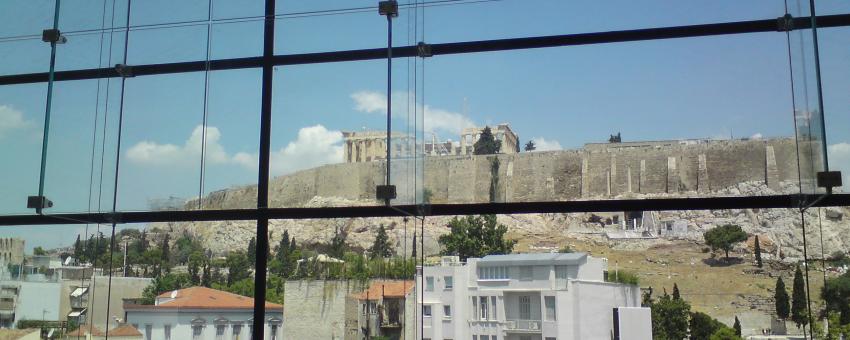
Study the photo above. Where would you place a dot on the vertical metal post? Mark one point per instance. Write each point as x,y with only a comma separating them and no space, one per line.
389,96
263,173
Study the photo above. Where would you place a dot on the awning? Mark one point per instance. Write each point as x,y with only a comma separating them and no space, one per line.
79,291
76,314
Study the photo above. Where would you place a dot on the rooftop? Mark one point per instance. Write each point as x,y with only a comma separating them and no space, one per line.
379,289
202,298
122,330
533,259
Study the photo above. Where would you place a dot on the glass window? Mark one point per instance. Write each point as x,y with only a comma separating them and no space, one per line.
483,304
525,307
449,281
426,310
273,333
429,284
219,332
166,330
485,337
473,310
148,332
197,332
447,311
561,272
493,315
526,273
550,308
237,331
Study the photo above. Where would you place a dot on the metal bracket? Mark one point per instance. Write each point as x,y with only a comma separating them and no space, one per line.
125,71
388,8
53,36
385,192
38,203
785,23
829,179
423,50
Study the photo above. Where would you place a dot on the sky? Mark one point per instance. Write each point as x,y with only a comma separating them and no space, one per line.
711,87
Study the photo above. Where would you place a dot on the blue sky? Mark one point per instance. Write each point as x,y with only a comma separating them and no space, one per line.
710,87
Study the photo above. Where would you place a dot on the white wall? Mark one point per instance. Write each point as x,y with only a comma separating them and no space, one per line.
38,300
181,323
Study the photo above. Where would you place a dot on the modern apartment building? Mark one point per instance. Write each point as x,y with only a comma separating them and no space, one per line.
525,297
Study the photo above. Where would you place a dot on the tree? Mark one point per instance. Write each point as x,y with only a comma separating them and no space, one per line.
381,248
836,293
724,237
758,252
725,333
780,298
486,144
476,236
195,265
163,284
798,299
252,251
703,326
670,318
78,249
237,267
676,295
166,253
737,326
530,146
39,251
337,246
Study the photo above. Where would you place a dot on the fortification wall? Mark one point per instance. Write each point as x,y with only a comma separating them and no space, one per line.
594,172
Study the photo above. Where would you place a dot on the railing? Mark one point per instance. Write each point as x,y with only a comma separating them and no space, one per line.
523,325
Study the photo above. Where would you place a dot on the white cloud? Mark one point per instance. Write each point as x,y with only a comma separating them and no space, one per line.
148,152
839,159
11,119
541,144
435,119
757,136
314,146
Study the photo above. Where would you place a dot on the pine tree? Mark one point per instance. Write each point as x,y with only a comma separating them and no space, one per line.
780,297
381,248
676,295
166,256
283,247
78,248
737,326
758,252
798,299
530,146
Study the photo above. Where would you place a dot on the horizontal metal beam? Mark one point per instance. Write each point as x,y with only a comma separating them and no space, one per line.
741,27
653,204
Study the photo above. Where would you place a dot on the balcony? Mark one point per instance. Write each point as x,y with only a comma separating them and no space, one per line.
7,304
523,326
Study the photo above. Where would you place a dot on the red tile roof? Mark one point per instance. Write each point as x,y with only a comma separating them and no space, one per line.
393,289
204,298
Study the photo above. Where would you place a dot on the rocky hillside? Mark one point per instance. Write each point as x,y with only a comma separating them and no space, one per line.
780,230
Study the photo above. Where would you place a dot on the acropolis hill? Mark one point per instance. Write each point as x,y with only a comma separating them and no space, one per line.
599,170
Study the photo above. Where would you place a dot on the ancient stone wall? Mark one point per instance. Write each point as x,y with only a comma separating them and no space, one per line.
593,172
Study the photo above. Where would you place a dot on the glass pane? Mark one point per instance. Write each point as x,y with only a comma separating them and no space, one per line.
835,74
22,114
21,24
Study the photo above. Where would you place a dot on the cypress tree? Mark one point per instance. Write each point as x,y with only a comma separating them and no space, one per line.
737,326
798,299
676,295
487,143
758,252
780,297
252,251
381,248
78,248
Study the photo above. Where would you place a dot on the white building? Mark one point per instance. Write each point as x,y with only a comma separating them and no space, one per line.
202,313
527,297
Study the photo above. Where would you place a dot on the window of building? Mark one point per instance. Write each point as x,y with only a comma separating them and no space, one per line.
483,303
273,332
148,332
474,311
561,272
525,307
526,273
551,338
197,331
449,281
485,337
236,332
219,332
549,301
447,311
474,337
492,273
493,315
429,284
166,330
426,310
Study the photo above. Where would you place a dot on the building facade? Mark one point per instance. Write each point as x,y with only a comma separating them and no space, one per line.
385,308
200,313
523,297
11,251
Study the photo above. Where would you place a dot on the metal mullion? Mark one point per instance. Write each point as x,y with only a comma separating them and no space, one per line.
742,27
652,204
263,173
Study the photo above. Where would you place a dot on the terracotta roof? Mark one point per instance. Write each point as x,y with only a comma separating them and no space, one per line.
205,298
84,330
393,289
